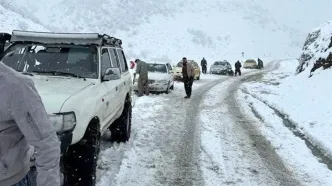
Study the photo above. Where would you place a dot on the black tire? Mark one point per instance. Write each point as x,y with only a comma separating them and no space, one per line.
198,77
80,161
168,88
121,128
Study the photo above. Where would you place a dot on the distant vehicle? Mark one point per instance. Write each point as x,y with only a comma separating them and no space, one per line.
221,67
160,78
177,70
250,64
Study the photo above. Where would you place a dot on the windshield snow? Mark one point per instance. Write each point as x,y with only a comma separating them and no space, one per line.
48,59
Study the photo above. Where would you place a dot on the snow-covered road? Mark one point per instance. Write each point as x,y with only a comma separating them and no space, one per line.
207,140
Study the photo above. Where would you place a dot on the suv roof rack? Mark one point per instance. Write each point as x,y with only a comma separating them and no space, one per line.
65,38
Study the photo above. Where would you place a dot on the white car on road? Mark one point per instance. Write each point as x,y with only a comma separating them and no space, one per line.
160,78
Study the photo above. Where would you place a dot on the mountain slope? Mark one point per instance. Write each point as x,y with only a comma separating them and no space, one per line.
168,31
10,20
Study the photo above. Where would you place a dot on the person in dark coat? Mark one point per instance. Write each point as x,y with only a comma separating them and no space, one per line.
204,65
188,76
238,68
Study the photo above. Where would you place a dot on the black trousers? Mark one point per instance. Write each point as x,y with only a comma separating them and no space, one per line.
237,70
188,83
204,69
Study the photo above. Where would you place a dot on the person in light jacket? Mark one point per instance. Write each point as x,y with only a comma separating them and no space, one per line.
24,122
188,76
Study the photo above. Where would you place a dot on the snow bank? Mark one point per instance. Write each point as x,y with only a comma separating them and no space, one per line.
318,44
293,150
306,101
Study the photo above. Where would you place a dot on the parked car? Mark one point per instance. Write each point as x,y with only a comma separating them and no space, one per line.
250,63
177,70
221,67
85,85
160,78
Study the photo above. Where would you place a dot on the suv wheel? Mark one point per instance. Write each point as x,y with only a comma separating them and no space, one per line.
80,161
121,128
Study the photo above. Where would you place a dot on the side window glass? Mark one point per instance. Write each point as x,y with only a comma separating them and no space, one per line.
122,59
105,61
114,58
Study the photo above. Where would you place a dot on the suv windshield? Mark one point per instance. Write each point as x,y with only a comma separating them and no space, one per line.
161,68
179,64
66,60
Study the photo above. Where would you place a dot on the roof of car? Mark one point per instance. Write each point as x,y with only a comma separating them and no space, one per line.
65,38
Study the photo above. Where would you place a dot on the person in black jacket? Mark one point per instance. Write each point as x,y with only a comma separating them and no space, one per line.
238,68
204,65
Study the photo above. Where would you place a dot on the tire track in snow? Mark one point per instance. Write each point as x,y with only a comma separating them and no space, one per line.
187,160
270,158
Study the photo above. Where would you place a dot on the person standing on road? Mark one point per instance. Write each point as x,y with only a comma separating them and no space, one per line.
24,122
188,76
204,65
143,80
238,68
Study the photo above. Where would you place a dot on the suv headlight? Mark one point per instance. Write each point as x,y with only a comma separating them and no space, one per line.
63,121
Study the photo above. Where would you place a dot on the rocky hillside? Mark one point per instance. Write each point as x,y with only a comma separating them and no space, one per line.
317,45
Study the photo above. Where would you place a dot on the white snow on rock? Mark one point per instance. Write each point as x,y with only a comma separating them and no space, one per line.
318,44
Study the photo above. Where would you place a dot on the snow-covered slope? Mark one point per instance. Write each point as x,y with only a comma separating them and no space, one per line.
169,30
318,44
10,20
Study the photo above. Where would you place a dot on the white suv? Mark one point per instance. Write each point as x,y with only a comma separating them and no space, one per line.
85,85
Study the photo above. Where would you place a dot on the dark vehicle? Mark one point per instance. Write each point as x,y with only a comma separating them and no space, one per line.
221,67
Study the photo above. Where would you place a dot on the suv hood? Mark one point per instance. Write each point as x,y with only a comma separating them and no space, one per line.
54,90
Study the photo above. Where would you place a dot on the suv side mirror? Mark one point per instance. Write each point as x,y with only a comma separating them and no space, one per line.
112,74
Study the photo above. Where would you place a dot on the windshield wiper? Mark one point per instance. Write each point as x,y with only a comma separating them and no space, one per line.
58,73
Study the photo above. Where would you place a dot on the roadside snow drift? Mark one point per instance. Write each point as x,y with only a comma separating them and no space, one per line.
304,101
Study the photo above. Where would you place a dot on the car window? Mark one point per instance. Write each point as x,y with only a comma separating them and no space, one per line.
114,58
122,59
105,61
53,59
169,67
179,64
